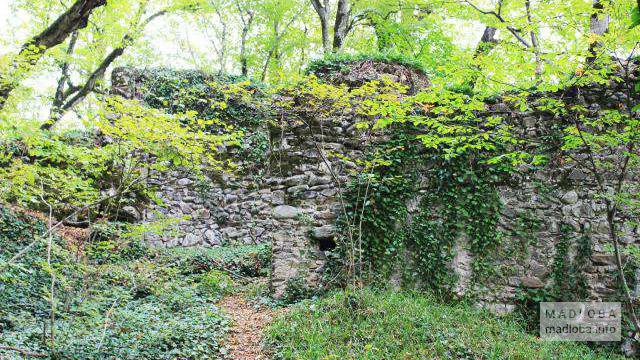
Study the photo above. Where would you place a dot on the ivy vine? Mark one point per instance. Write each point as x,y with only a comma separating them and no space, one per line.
452,198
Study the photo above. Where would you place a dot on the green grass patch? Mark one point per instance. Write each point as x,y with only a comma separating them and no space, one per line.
371,324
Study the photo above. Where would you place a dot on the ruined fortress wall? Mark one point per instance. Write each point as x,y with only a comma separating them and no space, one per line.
294,203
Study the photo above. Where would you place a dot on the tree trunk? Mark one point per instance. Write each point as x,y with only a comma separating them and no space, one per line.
64,85
341,27
222,55
534,42
487,42
243,43
71,20
628,300
274,51
322,9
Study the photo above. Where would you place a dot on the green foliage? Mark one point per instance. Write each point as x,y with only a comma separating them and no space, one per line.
45,170
456,197
568,272
223,102
369,324
569,283
146,305
523,234
230,99
296,289
383,212
106,245
254,151
439,148
23,286
216,281
604,145
613,131
528,306
40,171
635,17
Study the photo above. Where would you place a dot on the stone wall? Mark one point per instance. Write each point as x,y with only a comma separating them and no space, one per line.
564,201
293,205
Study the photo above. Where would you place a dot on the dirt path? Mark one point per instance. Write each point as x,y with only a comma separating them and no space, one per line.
245,337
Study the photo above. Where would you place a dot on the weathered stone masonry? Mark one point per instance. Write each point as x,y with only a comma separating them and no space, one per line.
294,205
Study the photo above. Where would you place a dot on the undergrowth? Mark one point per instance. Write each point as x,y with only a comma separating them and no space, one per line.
159,304
376,324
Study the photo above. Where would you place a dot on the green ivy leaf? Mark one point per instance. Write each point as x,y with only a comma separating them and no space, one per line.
635,17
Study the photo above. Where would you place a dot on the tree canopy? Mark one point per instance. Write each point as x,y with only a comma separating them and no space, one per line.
513,44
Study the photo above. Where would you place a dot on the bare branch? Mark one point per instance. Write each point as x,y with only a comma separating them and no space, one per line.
515,32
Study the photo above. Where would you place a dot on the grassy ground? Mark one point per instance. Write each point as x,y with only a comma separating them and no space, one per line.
368,324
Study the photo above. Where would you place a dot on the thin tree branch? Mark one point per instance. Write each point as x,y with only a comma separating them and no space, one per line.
498,16
97,75
75,18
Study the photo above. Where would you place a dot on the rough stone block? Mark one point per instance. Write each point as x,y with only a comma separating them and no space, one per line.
531,282
185,182
286,212
326,232
191,240
570,197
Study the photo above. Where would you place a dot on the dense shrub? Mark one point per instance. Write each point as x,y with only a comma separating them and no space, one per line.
216,281
106,245
211,96
179,324
342,61
357,70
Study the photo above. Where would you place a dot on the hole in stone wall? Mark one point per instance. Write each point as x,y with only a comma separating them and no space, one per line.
326,244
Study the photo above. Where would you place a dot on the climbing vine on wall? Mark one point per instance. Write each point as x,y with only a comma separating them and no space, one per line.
567,273
569,283
445,160
418,205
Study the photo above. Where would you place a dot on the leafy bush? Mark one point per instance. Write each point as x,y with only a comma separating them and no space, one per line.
216,282
180,324
107,246
231,99
23,284
296,289
72,177
370,324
